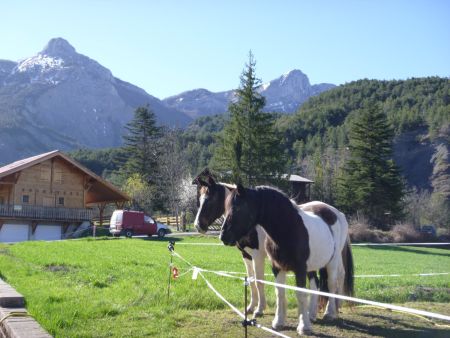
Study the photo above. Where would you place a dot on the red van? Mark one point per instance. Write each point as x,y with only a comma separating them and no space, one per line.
129,223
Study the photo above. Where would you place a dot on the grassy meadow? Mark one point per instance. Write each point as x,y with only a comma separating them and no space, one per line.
118,288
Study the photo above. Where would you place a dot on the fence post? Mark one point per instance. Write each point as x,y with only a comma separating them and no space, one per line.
171,248
245,306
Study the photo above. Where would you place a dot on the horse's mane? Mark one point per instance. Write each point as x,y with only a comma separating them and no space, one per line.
228,185
277,214
274,195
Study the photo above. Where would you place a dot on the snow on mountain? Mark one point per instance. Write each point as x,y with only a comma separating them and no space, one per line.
61,99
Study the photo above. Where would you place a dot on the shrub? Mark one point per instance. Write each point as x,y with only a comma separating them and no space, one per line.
405,232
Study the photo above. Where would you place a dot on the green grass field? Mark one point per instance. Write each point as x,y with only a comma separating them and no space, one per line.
118,288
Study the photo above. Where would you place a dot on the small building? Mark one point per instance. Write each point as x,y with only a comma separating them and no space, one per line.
301,188
49,196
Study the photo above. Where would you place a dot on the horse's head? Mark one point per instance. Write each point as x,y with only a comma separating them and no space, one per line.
210,201
240,216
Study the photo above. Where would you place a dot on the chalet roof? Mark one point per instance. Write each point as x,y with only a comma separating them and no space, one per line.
297,178
101,190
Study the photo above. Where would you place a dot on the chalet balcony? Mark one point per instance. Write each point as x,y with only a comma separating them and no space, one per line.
47,213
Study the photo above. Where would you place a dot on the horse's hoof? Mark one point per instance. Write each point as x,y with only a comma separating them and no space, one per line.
329,316
258,314
304,332
277,325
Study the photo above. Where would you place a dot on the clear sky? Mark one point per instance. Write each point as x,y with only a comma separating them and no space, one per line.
169,46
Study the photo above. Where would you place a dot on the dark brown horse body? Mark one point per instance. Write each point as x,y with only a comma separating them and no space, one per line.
297,241
211,198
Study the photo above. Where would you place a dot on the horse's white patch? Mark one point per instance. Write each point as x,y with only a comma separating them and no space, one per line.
321,241
197,222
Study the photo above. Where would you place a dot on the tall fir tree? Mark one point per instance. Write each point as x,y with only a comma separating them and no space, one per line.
371,182
142,145
249,146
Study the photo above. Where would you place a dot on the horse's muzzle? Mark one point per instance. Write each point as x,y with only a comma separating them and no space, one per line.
227,239
199,227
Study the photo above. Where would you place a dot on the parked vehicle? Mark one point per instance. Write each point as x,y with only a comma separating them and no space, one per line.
129,223
428,229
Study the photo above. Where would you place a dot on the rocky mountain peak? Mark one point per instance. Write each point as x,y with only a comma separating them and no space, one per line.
58,47
293,78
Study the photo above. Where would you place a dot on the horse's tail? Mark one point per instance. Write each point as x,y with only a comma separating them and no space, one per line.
323,286
349,280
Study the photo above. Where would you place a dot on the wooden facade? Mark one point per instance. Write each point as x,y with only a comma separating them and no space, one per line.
54,189
301,188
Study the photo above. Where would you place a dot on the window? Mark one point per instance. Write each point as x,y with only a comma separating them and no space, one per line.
45,173
58,176
60,200
25,199
2,200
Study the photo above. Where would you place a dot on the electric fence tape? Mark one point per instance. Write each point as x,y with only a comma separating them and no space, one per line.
321,293
198,271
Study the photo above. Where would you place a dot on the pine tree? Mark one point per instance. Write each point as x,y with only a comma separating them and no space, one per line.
371,181
141,145
249,146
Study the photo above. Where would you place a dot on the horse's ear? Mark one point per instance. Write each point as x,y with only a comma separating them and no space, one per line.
240,189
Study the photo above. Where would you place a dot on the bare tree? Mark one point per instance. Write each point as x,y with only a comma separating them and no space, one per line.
172,169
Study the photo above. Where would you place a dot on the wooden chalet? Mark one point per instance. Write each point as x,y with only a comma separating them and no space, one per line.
49,196
301,188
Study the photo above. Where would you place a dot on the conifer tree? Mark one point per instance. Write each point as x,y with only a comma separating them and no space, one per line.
141,145
249,146
371,181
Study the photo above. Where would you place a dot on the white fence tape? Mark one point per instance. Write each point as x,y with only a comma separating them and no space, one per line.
353,244
359,300
397,275
239,313
198,271
321,293
400,244
429,274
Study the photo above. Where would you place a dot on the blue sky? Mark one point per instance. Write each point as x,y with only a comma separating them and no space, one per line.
167,47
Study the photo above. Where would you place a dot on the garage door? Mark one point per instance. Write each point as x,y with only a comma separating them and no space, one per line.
14,233
47,232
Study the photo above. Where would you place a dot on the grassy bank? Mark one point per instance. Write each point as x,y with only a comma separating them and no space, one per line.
118,288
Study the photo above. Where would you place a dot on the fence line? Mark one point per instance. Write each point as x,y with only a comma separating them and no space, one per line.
327,294
230,273
198,271
400,244
353,244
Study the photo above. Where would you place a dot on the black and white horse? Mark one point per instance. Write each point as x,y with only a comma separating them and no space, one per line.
211,201
297,240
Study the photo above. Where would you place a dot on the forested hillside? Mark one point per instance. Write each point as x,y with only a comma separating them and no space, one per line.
417,109
315,142
409,105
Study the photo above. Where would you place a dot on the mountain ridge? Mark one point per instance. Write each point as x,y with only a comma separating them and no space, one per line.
283,95
59,98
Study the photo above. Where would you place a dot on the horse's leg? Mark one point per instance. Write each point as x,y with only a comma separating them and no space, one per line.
253,291
280,312
258,266
313,282
340,288
304,323
333,270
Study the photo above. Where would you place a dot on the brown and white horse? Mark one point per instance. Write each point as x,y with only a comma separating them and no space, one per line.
297,240
211,201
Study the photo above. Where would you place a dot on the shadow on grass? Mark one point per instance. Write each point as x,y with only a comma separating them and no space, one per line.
410,249
380,326
164,239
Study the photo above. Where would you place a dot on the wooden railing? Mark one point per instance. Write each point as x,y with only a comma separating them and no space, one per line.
47,213
169,220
